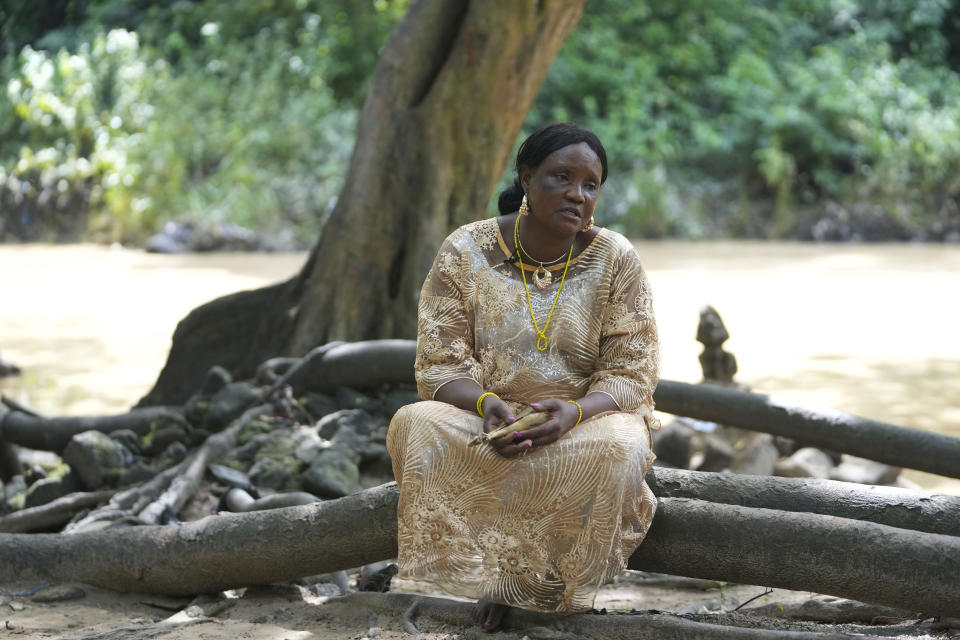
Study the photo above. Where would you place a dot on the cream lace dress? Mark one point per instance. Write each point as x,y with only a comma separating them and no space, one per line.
541,532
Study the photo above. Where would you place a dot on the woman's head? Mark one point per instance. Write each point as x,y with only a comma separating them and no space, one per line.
541,144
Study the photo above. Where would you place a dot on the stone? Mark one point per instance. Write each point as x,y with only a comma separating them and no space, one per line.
863,471
139,471
786,446
248,451
175,453
94,458
49,489
673,443
317,404
254,428
359,420
808,462
392,400
195,409
162,434
717,453
215,380
275,465
348,398
229,403
756,456
333,474
128,438
14,493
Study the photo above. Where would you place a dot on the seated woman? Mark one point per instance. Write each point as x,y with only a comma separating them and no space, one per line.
537,310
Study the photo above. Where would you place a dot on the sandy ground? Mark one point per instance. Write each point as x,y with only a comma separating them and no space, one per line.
297,612
292,612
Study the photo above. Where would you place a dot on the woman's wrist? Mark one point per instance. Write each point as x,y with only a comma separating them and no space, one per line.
480,400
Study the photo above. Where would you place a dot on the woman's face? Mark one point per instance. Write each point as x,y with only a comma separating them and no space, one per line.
562,191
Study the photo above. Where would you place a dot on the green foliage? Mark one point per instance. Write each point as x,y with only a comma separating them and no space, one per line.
790,118
211,121
711,107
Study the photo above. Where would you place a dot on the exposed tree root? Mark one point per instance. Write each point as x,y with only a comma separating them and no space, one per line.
54,513
800,551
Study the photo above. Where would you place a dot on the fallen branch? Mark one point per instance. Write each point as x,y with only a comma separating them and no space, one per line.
53,434
53,513
800,551
903,508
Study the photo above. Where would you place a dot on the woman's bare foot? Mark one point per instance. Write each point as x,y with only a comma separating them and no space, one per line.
487,615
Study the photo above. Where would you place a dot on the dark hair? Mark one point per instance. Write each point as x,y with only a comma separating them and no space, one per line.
540,144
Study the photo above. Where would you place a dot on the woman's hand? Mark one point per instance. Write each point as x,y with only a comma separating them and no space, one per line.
496,413
562,416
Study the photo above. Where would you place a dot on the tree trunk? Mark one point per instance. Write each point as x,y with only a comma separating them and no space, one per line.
802,551
447,101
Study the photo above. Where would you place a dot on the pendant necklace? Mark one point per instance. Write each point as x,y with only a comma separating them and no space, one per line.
541,277
542,341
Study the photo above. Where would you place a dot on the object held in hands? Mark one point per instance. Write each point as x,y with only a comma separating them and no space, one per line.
527,421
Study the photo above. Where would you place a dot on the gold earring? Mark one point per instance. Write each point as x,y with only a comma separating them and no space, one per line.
524,210
588,225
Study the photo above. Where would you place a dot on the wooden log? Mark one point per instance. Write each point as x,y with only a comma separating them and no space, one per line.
826,428
53,434
806,552
903,508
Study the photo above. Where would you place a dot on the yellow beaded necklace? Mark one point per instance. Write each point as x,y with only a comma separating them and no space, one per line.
542,342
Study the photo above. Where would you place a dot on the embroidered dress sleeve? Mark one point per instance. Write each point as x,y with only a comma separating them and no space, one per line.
628,368
445,341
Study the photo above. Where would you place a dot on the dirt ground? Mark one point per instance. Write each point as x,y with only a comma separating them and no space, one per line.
298,612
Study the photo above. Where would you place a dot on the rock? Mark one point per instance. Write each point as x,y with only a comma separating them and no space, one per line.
358,420
229,403
863,471
348,398
833,610
253,429
8,368
162,434
786,446
195,409
275,465
49,489
376,576
318,404
392,400
717,453
94,458
128,438
139,471
332,475
273,369
808,462
175,453
248,451
756,456
216,379
14,493
673,443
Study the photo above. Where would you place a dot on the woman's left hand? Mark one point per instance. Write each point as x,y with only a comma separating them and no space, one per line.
563,416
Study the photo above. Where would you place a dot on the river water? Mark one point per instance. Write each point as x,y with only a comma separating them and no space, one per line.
868,329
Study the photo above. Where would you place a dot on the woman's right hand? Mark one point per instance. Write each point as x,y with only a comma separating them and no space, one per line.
496,414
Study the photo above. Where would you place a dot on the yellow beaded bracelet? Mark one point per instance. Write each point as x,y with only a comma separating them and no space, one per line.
480,401
580,409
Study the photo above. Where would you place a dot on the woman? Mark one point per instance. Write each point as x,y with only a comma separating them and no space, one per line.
537,306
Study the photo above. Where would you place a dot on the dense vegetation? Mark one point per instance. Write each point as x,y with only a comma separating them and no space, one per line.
825,119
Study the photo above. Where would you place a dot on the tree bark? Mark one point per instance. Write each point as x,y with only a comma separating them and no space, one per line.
447,101
826,428
903,508
801,551
54,513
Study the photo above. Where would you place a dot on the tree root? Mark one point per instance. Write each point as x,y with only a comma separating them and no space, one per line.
54,513
799,551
